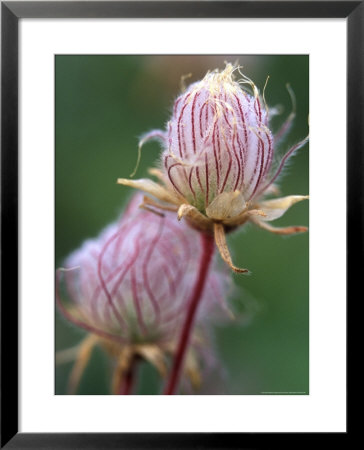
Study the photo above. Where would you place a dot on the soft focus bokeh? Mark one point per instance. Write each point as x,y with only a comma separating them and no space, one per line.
103,104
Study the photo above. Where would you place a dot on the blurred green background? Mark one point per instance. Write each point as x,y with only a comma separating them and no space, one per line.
103,104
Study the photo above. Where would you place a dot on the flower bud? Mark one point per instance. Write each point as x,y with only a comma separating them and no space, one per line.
217,140
133,283
216,163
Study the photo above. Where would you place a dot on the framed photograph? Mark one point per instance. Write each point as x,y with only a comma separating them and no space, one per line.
123,88
171,236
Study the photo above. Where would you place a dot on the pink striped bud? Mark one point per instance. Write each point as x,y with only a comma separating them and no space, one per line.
218,140
133,283
216,164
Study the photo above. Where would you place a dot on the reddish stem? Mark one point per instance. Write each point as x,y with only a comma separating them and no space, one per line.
127,383
207,252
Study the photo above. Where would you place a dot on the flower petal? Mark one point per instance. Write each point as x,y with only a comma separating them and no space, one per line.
277,207
192,370
279,230
195,217
273,189
157,173
123,365
151,187
226,205
220,240
154,355
242,218
150,202
83,357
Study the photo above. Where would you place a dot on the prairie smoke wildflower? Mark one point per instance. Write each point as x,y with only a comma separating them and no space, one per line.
217,163
130,289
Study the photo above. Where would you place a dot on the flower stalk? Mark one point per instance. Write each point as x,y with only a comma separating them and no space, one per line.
127,382
206,257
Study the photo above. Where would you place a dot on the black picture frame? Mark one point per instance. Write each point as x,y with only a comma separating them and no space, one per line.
11,12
